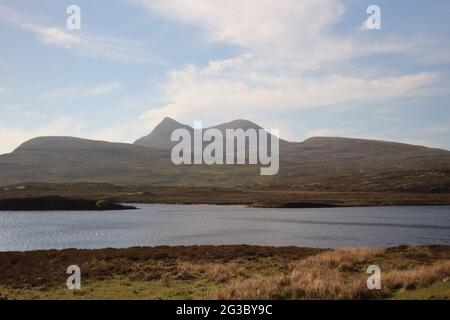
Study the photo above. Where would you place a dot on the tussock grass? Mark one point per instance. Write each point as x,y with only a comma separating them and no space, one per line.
227,272
335,275
417,277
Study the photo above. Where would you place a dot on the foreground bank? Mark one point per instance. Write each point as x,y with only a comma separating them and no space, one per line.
227,272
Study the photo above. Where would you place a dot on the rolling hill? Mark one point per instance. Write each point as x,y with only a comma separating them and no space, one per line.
319,163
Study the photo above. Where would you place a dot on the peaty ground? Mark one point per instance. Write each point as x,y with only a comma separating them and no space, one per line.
256,196
227,272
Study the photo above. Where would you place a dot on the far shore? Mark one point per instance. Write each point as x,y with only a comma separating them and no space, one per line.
58,203
257,196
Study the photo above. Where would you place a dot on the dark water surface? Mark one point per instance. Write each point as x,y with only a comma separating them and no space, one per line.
204,224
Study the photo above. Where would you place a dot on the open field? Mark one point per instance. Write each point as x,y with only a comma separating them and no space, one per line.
257,197
228,272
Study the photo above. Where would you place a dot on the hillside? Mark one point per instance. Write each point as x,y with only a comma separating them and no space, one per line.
160,136
319,164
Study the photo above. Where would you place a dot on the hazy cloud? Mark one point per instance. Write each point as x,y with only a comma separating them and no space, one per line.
237,91
282,41
80,42
78,93
288,33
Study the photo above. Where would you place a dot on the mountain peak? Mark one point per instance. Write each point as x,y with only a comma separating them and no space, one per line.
238,124
168,120
161,134
160,137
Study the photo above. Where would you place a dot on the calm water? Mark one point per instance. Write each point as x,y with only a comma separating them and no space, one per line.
202,224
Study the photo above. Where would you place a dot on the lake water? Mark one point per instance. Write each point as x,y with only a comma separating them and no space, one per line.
204,224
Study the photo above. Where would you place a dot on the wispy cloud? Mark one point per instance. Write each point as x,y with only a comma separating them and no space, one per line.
288,33
287,57
79,93
79,41
281,43
193,91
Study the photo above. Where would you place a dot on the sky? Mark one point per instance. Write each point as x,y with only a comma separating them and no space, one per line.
305,67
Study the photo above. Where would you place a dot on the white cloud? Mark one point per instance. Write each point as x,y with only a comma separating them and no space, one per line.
233,89
288,33
79,41
252,22
78,93
102,47
282,42
290,59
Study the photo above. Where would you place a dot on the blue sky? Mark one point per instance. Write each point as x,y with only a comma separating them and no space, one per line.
305,67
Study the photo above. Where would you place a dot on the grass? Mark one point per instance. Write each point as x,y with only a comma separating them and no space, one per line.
339,274
228,272
114,289
436,291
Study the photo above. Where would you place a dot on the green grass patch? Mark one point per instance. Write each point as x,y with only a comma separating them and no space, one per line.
437,291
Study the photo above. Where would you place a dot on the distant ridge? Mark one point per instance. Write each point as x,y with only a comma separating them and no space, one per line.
54,143
160,136
238,124
318,163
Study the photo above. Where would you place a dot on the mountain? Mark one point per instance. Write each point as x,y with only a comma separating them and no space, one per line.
62,159
237,124
318,163
160,136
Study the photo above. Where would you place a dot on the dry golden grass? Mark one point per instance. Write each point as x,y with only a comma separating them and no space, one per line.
219,273
228,272
417,277
342,258
336,274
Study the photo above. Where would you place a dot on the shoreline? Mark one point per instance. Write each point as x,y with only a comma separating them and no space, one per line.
300,206
125,206
232,247
258,197
57,203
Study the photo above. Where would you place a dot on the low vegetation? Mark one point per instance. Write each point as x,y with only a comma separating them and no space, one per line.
255,196
228,272
341,275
